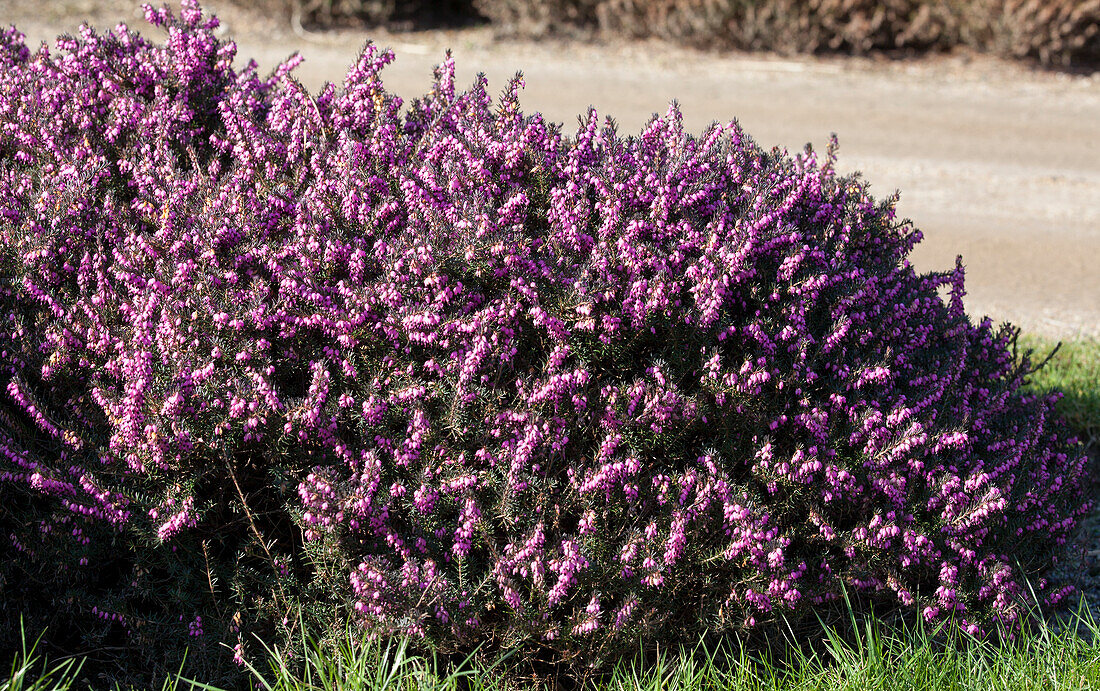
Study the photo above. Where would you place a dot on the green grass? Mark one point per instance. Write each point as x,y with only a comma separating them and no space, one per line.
873,658
865,656
1074,369
29,673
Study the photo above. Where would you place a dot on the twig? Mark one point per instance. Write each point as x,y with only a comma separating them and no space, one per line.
252,524
1041,365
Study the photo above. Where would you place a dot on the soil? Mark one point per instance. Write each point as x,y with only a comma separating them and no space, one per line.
998,162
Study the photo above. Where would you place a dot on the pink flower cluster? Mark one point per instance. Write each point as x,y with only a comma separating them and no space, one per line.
546,388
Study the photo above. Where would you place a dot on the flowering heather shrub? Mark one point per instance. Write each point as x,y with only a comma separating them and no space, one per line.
463,377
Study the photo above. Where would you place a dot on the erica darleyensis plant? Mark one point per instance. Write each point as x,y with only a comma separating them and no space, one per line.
457,375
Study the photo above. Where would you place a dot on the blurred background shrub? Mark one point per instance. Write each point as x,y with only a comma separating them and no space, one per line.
1054,32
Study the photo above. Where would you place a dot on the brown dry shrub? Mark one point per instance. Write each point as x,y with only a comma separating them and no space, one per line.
1060,32
1055,31
784,26
398,14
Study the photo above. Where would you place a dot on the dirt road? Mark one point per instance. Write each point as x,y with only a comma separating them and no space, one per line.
994,161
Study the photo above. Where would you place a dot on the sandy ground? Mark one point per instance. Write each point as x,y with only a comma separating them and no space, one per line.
996,162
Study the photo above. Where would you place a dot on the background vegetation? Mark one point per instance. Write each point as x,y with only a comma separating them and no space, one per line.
1064,33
